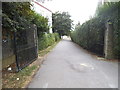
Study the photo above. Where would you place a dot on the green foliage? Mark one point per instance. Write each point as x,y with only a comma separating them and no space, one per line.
61,23
90,35
15,15
57,37
47,40
41,23
18,16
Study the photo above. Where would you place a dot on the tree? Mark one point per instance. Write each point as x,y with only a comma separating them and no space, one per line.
19,16
62,23
41,22
77,26
16,15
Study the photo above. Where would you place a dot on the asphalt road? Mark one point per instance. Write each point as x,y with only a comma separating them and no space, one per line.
69,66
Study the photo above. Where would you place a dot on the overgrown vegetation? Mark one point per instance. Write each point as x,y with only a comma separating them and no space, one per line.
90,35
47,40
19,15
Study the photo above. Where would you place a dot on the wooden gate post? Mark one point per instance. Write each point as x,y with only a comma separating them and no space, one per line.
108,41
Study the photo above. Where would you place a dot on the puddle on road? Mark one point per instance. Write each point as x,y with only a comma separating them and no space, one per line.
82,67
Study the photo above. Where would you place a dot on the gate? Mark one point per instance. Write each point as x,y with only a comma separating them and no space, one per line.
8,56
25,46
19,49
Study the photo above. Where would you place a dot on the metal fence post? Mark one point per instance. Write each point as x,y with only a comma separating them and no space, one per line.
15,51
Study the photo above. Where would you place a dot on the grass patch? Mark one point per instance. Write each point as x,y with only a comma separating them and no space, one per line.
23,77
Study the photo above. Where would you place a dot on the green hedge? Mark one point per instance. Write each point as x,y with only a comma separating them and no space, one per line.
90,35
47,40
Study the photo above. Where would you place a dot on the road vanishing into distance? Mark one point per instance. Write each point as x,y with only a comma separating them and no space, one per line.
70,66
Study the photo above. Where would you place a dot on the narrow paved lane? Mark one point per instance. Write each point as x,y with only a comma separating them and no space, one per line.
69,66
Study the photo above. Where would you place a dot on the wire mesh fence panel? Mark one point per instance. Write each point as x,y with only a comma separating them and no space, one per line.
26,46
19,48
8,56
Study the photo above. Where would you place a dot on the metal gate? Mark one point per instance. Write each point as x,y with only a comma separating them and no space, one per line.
8,56
25,46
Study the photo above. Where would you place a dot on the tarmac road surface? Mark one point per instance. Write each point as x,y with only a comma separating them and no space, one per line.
69,66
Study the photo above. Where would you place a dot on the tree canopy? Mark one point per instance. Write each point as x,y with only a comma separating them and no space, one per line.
62,23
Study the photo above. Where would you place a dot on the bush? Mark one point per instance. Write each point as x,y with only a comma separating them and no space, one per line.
47,40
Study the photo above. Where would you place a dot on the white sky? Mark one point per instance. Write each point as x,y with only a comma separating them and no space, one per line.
80,10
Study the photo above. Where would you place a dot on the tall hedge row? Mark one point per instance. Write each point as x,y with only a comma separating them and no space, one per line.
90,35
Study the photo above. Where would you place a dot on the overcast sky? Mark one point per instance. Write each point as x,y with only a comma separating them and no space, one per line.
80,10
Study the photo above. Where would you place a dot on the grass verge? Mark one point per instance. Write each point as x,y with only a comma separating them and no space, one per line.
23,77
